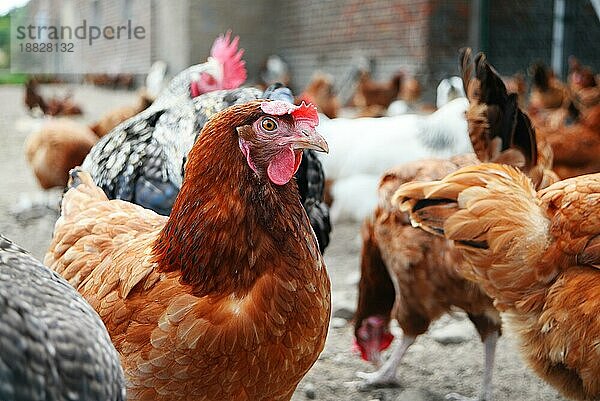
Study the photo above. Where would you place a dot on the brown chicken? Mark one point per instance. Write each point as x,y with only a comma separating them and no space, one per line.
423,269
576,146
552,104
32,97
116,116
56,148
537,255
320,93
228,298
51,107
583,84
114,81
411,90
62,144
499,130
370,93
547,92
571,130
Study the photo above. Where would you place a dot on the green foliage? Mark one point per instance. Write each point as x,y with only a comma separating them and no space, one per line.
5,32
14,16
5,41
8,78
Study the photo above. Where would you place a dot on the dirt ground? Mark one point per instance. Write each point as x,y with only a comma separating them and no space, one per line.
429,371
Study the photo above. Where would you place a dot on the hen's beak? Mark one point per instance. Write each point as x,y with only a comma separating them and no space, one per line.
310,139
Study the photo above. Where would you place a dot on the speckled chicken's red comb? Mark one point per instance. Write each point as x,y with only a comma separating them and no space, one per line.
305,112
225,50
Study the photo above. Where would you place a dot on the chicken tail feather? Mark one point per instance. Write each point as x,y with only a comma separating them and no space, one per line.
493,214
81,192
487,206
496,124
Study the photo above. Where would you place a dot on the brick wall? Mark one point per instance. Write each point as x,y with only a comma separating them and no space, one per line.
421,37
170,27
114,56
334,35
255,22
106,56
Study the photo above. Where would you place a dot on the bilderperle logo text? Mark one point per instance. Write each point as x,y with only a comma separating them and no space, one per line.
83,32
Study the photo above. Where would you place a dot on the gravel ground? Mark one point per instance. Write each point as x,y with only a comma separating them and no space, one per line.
429,371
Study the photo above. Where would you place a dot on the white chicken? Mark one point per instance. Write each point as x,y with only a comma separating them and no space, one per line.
448,90
362,149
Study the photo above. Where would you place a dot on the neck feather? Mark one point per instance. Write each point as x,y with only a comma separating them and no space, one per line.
227,225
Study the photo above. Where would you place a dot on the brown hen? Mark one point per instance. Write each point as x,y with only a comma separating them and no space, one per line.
116,116
320,92
576,147
226,299
60,145
537,255
424,269
370,93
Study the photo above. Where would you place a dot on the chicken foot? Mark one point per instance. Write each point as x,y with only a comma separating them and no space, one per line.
386,375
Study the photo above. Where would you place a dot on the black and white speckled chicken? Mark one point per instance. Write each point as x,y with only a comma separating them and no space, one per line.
53,345
311,184
142,161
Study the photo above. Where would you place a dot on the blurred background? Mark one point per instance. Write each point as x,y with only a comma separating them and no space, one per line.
391,61
420,37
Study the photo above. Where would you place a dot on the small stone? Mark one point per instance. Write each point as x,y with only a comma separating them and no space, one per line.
353,278
338,322
453,333
412,395
309,391
395,328
344,312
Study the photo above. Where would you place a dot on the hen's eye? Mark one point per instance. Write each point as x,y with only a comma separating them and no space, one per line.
269,124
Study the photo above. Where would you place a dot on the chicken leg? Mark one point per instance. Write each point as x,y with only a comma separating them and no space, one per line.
386,375
489,346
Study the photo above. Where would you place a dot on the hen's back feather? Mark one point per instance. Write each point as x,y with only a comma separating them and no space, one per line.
536,254
494,215
54,345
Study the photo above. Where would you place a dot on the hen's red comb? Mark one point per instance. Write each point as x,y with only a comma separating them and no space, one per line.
304,112
226,52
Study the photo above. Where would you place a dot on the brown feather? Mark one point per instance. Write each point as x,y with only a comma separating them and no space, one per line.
496,124
423,268
540,264
55,149
192,313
